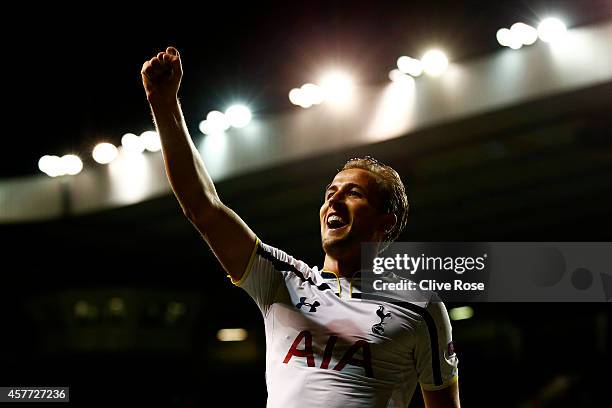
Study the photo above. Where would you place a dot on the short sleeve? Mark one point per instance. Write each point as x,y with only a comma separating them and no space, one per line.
436,361
264,273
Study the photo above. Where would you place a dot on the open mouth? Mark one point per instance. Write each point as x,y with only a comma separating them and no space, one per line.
334,221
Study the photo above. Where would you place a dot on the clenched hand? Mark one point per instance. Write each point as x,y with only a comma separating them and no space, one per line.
161,76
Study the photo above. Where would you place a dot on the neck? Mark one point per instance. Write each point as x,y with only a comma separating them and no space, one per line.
343,267
345,261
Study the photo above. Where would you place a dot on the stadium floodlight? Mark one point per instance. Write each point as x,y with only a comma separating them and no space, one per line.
551,30
71,164
338,87
526,34
298,97
305,103
410,66
217,122
132,144
232,335
434,62
203,126
312,94
151,141
104,153
400,78
504,37
295,96
238,116
50,165
515,42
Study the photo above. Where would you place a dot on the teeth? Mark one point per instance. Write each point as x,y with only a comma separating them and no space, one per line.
335,221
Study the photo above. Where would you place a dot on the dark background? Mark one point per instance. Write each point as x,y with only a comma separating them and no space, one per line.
73,73
536,172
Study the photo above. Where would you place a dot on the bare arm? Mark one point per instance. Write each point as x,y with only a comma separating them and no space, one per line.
229,237
445,398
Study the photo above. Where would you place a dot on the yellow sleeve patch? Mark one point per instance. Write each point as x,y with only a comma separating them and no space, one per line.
427,387
248,267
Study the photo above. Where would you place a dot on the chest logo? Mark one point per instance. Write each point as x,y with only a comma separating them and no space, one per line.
378,327
313,306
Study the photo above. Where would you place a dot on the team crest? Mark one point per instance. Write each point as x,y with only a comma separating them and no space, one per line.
378,327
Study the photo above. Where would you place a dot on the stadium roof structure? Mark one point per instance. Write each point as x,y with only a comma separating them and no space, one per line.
396,122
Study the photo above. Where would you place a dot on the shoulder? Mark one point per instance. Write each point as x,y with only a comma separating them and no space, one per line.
283,262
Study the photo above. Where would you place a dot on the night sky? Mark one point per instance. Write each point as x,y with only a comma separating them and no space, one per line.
72,76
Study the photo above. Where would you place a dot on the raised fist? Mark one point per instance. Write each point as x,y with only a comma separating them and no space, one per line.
161,76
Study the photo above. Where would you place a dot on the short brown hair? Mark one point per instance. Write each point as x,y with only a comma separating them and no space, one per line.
394,200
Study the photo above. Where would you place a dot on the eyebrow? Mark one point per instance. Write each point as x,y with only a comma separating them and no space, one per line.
349,185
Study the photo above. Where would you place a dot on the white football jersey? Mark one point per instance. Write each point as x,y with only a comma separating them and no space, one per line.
326,346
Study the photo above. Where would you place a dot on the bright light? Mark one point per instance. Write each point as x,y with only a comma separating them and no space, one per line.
232,335
304,102
410,66
312,94
504,37
215,142
434,62
50,165
400,78
461,313
151,141
71,165
132,144
515,42
337,87
216,122
104,153
551,30
526,34
394,110
203,126
295,96
131,177
238,116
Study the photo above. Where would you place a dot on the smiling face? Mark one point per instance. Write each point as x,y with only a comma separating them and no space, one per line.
351,213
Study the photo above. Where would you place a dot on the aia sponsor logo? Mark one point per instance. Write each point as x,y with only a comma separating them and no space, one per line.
305,338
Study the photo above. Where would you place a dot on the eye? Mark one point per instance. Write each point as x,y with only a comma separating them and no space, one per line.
355,193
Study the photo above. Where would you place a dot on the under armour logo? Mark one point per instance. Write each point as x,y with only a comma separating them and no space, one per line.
313,305
378,327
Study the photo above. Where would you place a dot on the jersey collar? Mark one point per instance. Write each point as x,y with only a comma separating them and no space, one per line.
354,281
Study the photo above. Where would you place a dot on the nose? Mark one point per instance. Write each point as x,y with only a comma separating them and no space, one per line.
337,198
